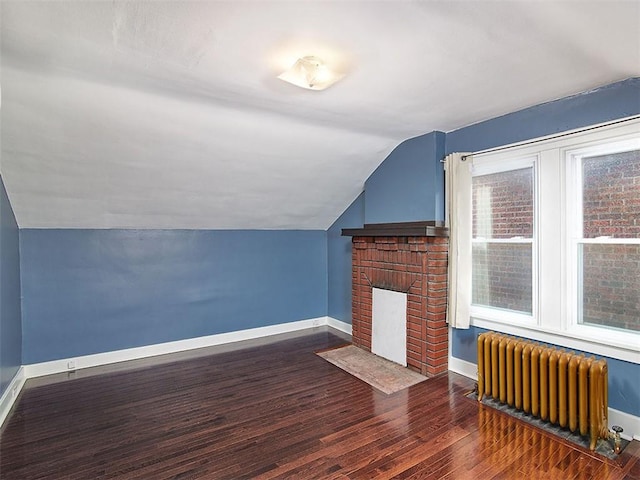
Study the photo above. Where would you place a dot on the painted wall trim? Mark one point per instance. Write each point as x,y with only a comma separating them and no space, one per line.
11,394
468,369
630,423
339,325
563,339
94,360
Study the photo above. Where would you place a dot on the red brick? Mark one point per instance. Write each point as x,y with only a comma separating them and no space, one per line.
436,317
441,307
401,264
413,356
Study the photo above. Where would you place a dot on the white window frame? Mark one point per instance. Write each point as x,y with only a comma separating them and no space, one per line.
557,216
573,164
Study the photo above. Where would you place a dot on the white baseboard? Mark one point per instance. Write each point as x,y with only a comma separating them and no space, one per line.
87,361
463,367
11,394
630,423
339,325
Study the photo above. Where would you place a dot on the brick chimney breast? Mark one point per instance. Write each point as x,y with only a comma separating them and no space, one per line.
415,265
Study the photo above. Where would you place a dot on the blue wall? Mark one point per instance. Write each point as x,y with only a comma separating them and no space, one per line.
409,185
91,291
10,316
611,102
339,267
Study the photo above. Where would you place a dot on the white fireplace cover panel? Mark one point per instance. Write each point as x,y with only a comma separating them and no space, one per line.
389,325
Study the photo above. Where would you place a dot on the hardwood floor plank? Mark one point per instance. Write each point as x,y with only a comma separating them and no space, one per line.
269,410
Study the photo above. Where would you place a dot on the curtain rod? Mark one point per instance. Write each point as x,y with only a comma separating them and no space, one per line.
548,137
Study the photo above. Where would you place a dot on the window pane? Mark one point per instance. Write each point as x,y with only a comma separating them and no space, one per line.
501,276
503,204
611,195
610,285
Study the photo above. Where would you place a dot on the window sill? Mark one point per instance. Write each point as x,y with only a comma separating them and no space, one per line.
570,339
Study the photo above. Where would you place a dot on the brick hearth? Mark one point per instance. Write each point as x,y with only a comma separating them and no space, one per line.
416,266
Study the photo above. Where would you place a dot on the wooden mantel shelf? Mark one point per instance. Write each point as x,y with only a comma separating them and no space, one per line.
429,228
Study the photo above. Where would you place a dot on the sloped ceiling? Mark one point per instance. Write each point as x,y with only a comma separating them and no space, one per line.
169,114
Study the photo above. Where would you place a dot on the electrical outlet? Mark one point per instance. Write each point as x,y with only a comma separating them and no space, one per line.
71,365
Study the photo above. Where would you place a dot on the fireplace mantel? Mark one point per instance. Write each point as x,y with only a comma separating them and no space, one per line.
429,228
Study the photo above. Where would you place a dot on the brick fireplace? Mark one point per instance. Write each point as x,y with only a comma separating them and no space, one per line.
410,258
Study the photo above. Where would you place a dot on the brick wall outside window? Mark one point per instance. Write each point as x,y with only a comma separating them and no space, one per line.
503,204
611,195
611,207
503,209
502,276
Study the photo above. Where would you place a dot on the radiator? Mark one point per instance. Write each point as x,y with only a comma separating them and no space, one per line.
562,388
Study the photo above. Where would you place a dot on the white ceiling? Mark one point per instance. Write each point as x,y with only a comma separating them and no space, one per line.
148,114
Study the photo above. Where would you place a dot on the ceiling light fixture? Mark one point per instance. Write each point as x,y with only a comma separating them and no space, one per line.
311,73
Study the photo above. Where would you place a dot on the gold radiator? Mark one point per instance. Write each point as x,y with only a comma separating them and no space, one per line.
562,388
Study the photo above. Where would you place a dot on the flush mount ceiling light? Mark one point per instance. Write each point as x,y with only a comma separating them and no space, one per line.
311,73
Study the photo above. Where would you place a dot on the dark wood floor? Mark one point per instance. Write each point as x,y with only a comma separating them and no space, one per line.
274,410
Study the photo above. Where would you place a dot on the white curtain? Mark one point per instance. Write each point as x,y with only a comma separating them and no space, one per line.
458,218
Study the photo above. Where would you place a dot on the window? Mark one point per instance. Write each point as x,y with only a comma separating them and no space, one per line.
502,242
556,240
607,237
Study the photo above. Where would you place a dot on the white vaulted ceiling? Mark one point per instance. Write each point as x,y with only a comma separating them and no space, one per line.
147,114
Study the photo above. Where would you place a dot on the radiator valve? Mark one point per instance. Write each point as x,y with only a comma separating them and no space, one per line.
617,430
